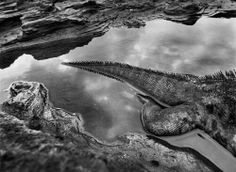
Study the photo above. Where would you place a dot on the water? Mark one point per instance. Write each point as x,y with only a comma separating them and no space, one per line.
111,108
208,147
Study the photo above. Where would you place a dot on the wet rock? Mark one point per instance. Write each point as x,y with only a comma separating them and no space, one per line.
32,25
36,136
134,23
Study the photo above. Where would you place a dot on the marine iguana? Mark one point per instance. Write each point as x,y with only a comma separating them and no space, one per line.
178,103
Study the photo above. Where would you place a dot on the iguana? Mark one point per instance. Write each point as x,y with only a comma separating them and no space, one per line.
178,103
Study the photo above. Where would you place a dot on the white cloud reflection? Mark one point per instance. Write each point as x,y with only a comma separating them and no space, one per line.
94,84
18,68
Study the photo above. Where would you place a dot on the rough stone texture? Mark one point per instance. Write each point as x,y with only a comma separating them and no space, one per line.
30,26
36,136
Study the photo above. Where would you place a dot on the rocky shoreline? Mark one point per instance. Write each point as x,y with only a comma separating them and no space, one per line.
36,136
30,26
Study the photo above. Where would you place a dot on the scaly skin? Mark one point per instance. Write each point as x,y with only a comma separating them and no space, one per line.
178,103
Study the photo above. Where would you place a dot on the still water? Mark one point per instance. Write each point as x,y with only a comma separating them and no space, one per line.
110,108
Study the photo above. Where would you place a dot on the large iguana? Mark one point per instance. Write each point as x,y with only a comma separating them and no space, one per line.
178,103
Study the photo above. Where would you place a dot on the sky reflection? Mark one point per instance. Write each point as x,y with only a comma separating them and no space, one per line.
109,107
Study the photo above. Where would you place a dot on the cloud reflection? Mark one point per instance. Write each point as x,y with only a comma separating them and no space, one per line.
94,84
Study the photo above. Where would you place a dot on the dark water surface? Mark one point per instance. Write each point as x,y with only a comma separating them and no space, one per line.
109,107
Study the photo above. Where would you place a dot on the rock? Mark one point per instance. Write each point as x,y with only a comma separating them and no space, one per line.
32,25
134,23
36,136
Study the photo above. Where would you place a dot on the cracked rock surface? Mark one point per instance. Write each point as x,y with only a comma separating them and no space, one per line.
36,136
30,26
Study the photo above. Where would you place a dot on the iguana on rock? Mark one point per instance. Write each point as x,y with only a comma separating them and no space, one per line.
178,103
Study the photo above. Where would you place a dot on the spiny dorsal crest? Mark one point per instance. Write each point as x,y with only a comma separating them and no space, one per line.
80,64
218,76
